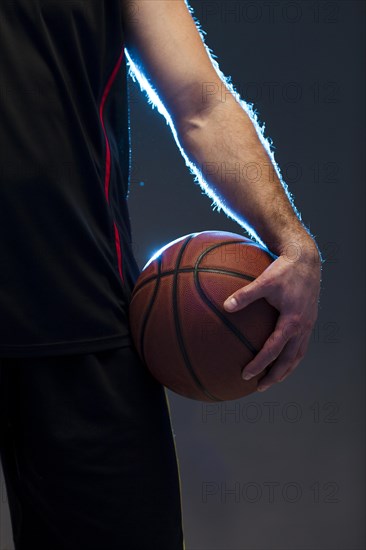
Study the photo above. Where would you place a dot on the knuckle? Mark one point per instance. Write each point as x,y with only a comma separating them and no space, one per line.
296,321
309,325
282,335
292,328
240,295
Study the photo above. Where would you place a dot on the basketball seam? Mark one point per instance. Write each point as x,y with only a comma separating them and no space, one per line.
148,311
212,306
233,273
191,270
177,326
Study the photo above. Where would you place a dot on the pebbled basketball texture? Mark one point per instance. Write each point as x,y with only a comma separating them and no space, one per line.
179,326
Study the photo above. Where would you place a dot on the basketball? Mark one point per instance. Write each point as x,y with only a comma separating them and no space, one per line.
179,326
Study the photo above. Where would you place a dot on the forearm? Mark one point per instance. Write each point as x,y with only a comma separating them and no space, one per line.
233,165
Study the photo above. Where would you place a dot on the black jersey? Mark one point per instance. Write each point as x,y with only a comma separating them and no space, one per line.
67,268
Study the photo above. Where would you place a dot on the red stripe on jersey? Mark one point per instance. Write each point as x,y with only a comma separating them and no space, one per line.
108,156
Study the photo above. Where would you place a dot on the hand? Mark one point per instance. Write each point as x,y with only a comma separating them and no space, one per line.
293,288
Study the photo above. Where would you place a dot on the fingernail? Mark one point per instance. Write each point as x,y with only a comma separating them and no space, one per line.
263,388
247,375
230,304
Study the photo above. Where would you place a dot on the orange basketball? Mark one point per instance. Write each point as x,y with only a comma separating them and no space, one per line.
179,326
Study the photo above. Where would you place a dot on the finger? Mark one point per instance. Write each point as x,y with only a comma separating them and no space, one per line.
245,296
264,384
271,348
288,359
301,353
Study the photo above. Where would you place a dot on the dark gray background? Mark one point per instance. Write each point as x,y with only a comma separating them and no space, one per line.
282,470
302,64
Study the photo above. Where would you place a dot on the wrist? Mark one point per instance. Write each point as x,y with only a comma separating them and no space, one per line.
298,247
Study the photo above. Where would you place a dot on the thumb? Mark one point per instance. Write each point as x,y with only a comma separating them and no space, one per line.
244,296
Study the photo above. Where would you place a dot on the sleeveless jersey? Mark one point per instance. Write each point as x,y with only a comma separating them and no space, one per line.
67,269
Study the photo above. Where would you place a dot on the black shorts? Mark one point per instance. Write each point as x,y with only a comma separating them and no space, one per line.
88,454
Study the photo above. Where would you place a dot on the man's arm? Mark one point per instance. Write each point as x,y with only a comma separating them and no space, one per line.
223,144
165,45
